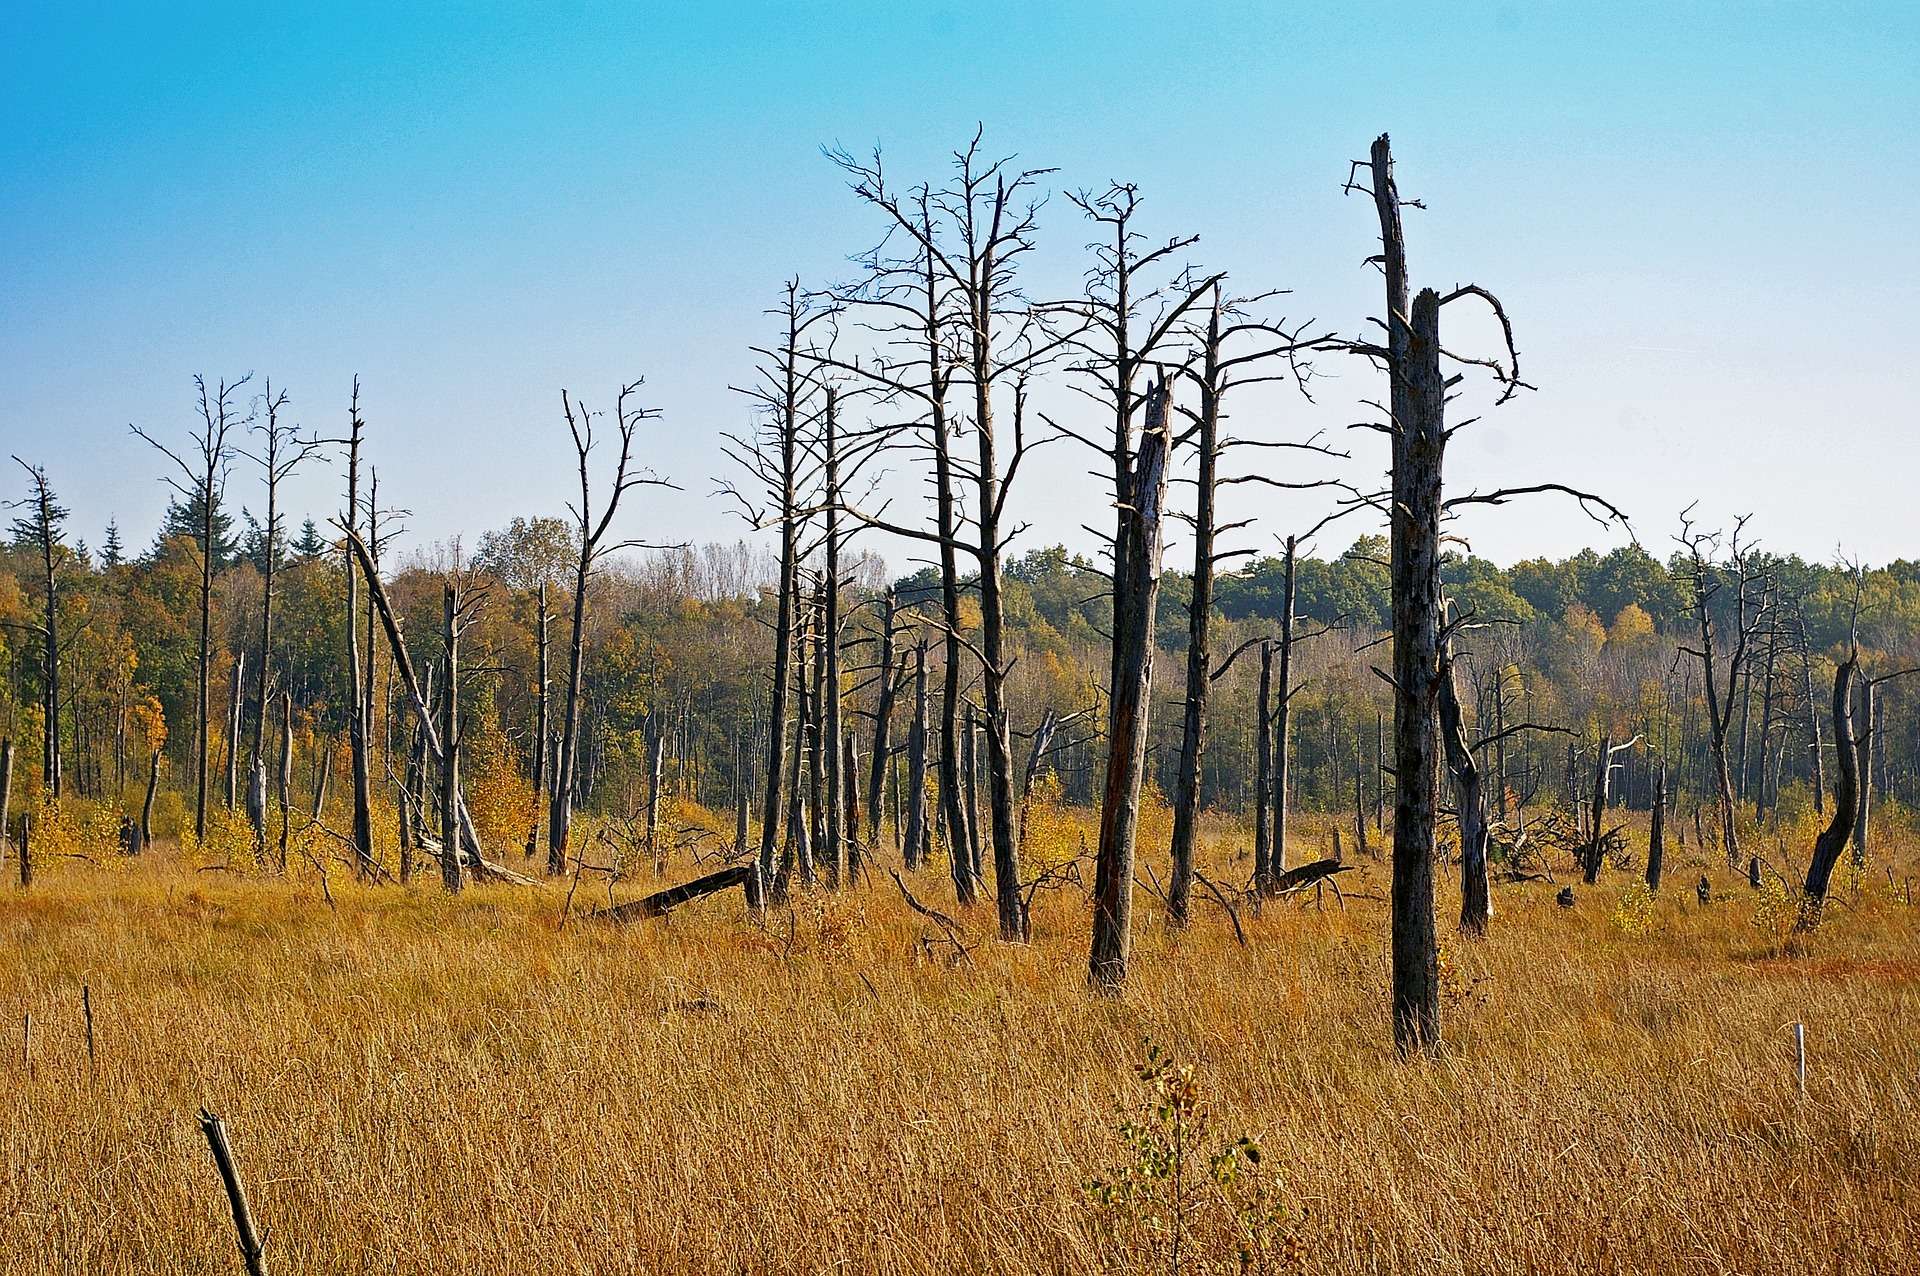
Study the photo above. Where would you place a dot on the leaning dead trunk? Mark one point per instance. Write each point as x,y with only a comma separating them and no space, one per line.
1846,792
1132,705
1263,870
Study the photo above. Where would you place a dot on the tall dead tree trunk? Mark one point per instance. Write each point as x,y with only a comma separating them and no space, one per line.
1283,715
1657,836
1418,406
915,849
1833,839
357,743
1193,726
203,483
1263,867
592,532
449,804
882,718
1132,705
836,829
236,700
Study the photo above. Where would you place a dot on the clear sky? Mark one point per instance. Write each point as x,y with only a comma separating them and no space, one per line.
1700,216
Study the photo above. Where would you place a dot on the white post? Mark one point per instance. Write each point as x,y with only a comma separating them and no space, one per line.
1800,1055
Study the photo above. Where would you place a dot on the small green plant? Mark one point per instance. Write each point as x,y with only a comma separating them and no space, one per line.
1187,1193
1633,914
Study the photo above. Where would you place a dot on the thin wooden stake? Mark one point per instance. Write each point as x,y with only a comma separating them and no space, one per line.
251,1249
86,1005
1800,1055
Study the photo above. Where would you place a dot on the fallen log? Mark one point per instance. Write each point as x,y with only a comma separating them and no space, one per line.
660,903
1296,879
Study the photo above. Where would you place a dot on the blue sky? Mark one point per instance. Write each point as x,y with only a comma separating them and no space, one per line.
1700,216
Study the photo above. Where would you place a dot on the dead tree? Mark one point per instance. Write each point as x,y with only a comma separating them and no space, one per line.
1657,835
591,528
830,748
1415,505
358,694
978,228
236,701
1593,855
1707,581
887,691
1833,839
41,530
461,601
910,301
1127,741
774,456
914,848
1219,372
202,482
281,452
1469,801
1872,729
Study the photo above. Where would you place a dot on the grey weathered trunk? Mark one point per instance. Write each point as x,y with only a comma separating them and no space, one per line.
914,850
357,692
1832,840
236,698
560,812
1593,856
283,789
1418,406
837,828
1193,724
1263,871
656,765
146,805
450,875
1863,770
1283,716
1657,836
1132,704
882,720
1470,805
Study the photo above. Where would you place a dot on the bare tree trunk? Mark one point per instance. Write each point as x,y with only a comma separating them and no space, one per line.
450,876
284,789
882,719
1132,705
1863,769
1283,717
1657,837
237,692
1263,868
356,688
915,849
836,826
6,792
1418,399
1593,856
1832,840
1470,802
1193,726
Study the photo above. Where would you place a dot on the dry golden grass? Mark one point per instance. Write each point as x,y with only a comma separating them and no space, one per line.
414,1084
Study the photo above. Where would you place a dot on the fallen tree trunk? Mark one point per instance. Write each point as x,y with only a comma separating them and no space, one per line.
660,903
1306,875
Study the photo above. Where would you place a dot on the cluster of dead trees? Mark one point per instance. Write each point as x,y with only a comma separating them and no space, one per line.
931,366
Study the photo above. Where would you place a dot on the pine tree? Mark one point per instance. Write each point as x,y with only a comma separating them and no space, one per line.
184,518
113,553
309,546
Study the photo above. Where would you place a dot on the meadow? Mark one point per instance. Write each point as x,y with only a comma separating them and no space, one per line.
414,1082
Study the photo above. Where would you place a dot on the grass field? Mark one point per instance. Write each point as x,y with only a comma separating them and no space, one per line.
414,1083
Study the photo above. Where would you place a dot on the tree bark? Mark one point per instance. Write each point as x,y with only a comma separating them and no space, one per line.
450,876
1657,837
1263,870
1132,705
1283,716
1832,840
1470,804
914,852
